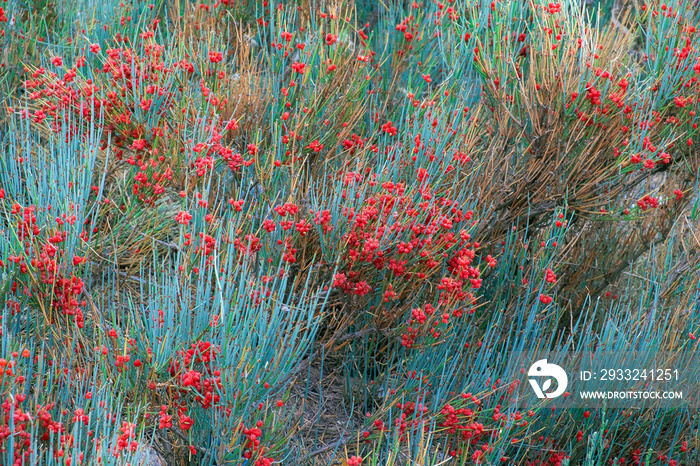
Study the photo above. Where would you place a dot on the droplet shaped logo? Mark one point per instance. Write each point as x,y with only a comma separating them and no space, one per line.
543,371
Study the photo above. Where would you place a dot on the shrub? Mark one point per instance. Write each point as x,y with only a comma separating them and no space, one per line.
246,233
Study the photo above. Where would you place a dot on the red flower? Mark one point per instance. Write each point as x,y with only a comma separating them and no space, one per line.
186,422
183,217
215,57
138,144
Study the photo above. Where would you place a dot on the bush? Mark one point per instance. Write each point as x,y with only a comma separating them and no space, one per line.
255,233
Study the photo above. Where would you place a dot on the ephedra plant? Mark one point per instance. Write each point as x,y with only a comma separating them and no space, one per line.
246,232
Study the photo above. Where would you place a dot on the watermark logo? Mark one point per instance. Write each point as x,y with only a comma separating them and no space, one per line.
542,370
